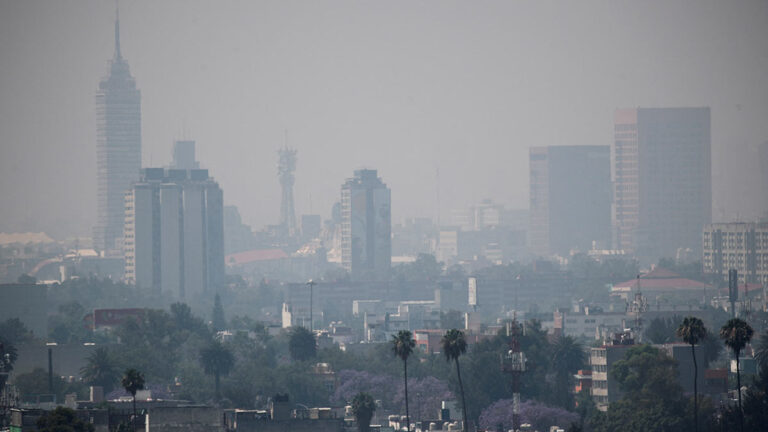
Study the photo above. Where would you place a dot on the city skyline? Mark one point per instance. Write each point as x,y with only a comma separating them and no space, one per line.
467,144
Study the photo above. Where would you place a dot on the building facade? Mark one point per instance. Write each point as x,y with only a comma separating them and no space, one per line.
366,226
570,199
661,171
737,245
118,149
174,232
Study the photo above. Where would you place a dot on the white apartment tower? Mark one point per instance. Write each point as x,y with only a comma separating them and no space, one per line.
174,232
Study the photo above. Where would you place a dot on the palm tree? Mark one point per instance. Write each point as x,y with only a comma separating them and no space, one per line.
454,345
217,360
692,331
363,407
736,334
402,346
568,357
132,382
100,370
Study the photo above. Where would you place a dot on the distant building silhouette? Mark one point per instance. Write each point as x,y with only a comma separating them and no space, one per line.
366,226
570,199
737,245
174,232
285,169
118,149
662,175
184,155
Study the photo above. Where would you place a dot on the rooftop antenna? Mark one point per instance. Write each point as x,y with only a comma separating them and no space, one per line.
118,55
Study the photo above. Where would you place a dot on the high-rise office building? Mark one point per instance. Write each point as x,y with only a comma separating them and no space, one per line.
737,245
174,232
662,175
366,226
118,149
570,199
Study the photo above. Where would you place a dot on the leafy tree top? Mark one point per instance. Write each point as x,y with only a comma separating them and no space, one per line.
132,381
62,420
454,344
217,359
646,374
301,344
736,334
403,344
691,330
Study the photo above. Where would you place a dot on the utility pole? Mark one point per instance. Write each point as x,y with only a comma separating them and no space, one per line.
311,284
733,290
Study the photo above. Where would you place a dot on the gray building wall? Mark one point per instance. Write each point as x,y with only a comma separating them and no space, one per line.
28,303
570,198
366,227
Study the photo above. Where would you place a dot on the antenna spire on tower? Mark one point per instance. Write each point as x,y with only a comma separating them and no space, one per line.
118,55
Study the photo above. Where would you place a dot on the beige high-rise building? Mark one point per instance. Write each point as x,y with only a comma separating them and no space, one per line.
662,183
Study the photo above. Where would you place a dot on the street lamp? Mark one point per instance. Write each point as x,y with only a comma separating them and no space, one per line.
311,285
50,346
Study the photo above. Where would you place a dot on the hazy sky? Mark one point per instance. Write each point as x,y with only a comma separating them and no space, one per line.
437,95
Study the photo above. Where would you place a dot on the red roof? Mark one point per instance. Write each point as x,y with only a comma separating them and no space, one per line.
716,373
660,279
255,255
750,287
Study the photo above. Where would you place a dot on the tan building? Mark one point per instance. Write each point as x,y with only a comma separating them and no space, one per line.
661,171
737,245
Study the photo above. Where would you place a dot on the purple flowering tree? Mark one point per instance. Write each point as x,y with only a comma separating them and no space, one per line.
540,416
352,382
425,395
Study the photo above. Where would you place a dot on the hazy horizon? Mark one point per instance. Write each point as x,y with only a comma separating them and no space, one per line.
442,98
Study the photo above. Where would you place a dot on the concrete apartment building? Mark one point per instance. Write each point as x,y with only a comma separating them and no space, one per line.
604,390
661,171
118,149
570,199
366,226
174,232
737,245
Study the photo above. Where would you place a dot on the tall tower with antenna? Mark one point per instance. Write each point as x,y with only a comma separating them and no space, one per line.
118,148
285,169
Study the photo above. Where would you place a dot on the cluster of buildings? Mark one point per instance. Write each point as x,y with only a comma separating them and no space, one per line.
648,194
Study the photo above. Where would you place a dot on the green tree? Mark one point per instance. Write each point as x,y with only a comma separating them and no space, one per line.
62,419
363,407
217,360
761,351
14,331
692,331
662,330
736,334
301,344
100,370
653,399
218,321
132,382
454,345
568,357
402,346
184,319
